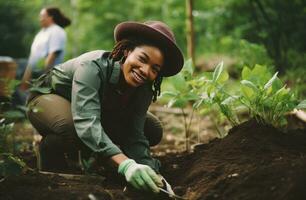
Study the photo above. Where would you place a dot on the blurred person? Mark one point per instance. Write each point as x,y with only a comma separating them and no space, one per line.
48,47
98,103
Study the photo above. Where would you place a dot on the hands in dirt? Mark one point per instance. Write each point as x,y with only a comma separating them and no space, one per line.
142,177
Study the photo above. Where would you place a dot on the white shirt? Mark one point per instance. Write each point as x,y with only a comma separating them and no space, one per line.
47,40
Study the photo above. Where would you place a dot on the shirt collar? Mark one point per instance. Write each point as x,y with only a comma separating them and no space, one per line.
114,78
115,69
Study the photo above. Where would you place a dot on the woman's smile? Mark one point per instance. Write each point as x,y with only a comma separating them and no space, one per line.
138,77
142,65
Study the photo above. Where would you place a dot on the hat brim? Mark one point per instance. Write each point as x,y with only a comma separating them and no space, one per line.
174,59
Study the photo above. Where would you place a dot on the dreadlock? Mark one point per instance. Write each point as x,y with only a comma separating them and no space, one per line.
117,54
156,87
120,47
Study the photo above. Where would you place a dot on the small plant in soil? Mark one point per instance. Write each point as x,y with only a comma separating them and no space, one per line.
264,96
261,94
9,163
181,95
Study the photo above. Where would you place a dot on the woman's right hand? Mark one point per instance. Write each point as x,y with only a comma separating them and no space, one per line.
140,176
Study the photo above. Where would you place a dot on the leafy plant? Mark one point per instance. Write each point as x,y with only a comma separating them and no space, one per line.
266,97
213,91
262,94
181,95
10,165
5,130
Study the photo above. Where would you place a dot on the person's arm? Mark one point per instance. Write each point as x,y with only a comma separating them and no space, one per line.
24,85
86,109
50,59
117,159
49,62
137,146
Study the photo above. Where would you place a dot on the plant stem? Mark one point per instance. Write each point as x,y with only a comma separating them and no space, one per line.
186,130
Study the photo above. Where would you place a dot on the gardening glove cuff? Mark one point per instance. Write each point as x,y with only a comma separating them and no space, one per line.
140,176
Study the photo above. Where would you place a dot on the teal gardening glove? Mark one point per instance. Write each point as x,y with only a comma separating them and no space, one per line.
140,176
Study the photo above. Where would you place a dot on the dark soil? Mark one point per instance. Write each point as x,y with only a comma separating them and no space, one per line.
253,162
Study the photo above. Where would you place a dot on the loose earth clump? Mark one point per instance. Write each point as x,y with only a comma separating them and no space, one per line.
253,162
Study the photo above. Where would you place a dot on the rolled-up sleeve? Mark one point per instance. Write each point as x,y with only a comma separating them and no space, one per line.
86,111
137,145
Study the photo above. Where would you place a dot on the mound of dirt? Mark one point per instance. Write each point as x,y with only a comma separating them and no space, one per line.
253,162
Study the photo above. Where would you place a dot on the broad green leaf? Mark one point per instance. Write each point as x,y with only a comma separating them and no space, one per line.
260,75
260,70
283,91
208,75
247,92
246,73
169,93
249,84
177,102
280,93
188,67
269,83
229,100
217,72
301,105
223,77
277,84
179,82
180,103
191,96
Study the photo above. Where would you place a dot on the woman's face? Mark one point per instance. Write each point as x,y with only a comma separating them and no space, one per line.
142,65
44,19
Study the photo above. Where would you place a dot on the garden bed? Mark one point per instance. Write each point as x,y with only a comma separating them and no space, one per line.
252,162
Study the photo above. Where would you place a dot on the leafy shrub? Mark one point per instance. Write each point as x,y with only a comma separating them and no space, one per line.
264,96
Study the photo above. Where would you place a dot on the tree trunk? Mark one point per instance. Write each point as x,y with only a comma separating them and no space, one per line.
190,31
75,36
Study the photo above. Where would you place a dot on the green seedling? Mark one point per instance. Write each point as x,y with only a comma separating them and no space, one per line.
182,94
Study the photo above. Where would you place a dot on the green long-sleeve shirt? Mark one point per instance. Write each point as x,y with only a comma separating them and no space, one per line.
85,82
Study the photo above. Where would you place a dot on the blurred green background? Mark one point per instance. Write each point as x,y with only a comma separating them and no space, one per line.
239,32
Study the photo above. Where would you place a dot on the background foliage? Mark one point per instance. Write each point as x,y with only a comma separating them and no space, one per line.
244,32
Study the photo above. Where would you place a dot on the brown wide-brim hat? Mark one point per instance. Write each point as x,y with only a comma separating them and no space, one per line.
159,34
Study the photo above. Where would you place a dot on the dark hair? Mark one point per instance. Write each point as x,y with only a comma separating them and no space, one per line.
58,17
117,54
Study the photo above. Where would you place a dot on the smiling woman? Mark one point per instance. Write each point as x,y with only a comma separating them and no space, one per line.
98,103
142,64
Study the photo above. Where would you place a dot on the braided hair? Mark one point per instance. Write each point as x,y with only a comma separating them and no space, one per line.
117,54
